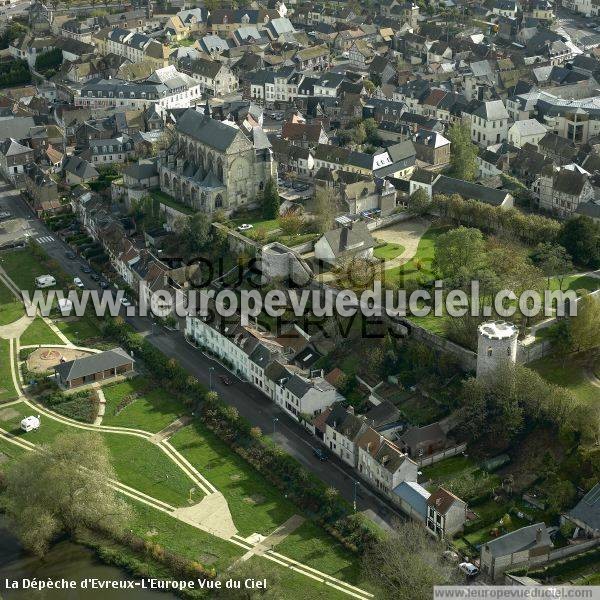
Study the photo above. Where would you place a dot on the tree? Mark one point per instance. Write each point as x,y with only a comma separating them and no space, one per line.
585,326
270,200
419,202
463,153
458,251
324,209
196,233
291,223
407,563
369,86
61,489
359,134
552,259
581,238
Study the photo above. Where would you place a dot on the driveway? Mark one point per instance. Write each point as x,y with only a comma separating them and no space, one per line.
405,233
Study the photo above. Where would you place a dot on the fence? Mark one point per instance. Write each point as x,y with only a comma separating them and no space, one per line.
433,458
565,552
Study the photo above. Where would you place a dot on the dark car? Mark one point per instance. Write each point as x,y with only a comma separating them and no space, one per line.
320,454
225,380
70,255
95,276
104,285
85,269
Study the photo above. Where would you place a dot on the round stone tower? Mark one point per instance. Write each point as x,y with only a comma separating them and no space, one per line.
496,346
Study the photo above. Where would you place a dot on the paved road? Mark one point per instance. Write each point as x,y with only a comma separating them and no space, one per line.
251,404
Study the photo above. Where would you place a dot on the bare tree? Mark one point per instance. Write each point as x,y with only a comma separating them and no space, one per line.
407,564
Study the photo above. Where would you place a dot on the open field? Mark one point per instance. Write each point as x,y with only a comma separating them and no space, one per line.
388,251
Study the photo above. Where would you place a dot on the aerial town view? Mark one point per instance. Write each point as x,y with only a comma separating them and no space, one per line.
299,299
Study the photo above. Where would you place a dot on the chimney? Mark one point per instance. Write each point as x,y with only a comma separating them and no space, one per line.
538,535
344,238
350,409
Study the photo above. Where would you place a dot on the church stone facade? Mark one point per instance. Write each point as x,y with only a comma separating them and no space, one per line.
215,165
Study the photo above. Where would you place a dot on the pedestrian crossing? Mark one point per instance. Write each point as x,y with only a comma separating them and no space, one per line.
45,239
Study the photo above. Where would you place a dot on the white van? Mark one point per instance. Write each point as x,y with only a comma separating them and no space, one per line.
30,423
44,281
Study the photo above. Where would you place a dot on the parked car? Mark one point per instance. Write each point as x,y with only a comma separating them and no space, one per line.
78,282
320,454
104,285
125,302
469,569
5,215
244,227
85,269
95,276
70,255
225,380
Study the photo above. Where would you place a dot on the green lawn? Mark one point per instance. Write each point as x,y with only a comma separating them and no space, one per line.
138,463
171,202
39,333
11,308
575,282
181,538
449,468
257,220
7,389
569,374
420,263
389,251
80,329
311,546
295,585
22,266
152,410
8,450
255,505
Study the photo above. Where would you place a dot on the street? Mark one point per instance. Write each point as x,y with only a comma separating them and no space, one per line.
251,404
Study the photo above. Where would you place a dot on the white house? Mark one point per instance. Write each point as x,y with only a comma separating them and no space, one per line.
446,513
529,131
489,123
382,463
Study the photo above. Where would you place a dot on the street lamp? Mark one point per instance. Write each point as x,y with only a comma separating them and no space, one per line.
356,484
210,372
275,419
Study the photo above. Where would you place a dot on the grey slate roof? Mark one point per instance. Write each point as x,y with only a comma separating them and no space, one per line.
298,386
588,509
519,540
492,110
345,240
80,167
88,365
468,190
213,133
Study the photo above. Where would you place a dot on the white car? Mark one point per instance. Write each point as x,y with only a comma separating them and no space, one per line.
78,282
245,227
469,569
125,302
